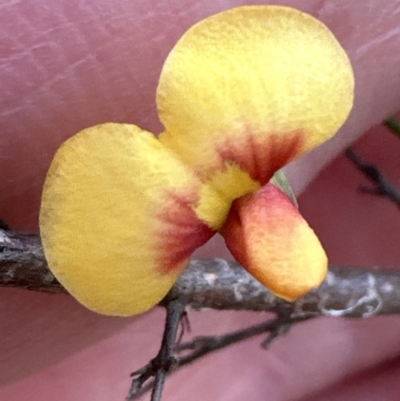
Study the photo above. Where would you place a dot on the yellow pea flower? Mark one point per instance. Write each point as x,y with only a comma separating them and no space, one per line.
242,93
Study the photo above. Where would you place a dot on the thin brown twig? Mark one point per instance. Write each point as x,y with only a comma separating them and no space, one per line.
381,185
222,285
204,345
165,361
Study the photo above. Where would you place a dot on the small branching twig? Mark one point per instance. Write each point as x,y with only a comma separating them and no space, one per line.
280,330
381,185
204,345
165,360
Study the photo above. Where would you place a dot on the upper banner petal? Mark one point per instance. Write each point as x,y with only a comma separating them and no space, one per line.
117,220
254,86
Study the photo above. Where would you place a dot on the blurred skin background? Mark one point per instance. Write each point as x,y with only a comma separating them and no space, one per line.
70,64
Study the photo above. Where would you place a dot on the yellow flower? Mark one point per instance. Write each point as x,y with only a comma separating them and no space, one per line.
242,93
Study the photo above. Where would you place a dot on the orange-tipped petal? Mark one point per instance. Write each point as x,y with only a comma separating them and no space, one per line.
116,220
268,236
255,87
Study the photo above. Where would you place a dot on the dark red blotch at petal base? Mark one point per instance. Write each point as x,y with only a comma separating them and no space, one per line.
261,158
181,232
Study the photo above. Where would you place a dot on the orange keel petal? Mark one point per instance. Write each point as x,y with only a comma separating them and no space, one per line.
268,236
116,220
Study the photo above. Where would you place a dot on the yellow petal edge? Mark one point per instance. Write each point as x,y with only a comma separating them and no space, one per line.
256,87
115,218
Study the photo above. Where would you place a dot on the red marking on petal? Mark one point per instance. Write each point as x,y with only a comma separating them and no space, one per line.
181,232
267,235
261,157
261,207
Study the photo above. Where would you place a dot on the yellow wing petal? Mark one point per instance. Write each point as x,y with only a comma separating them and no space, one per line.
255,86
116,219
268,236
